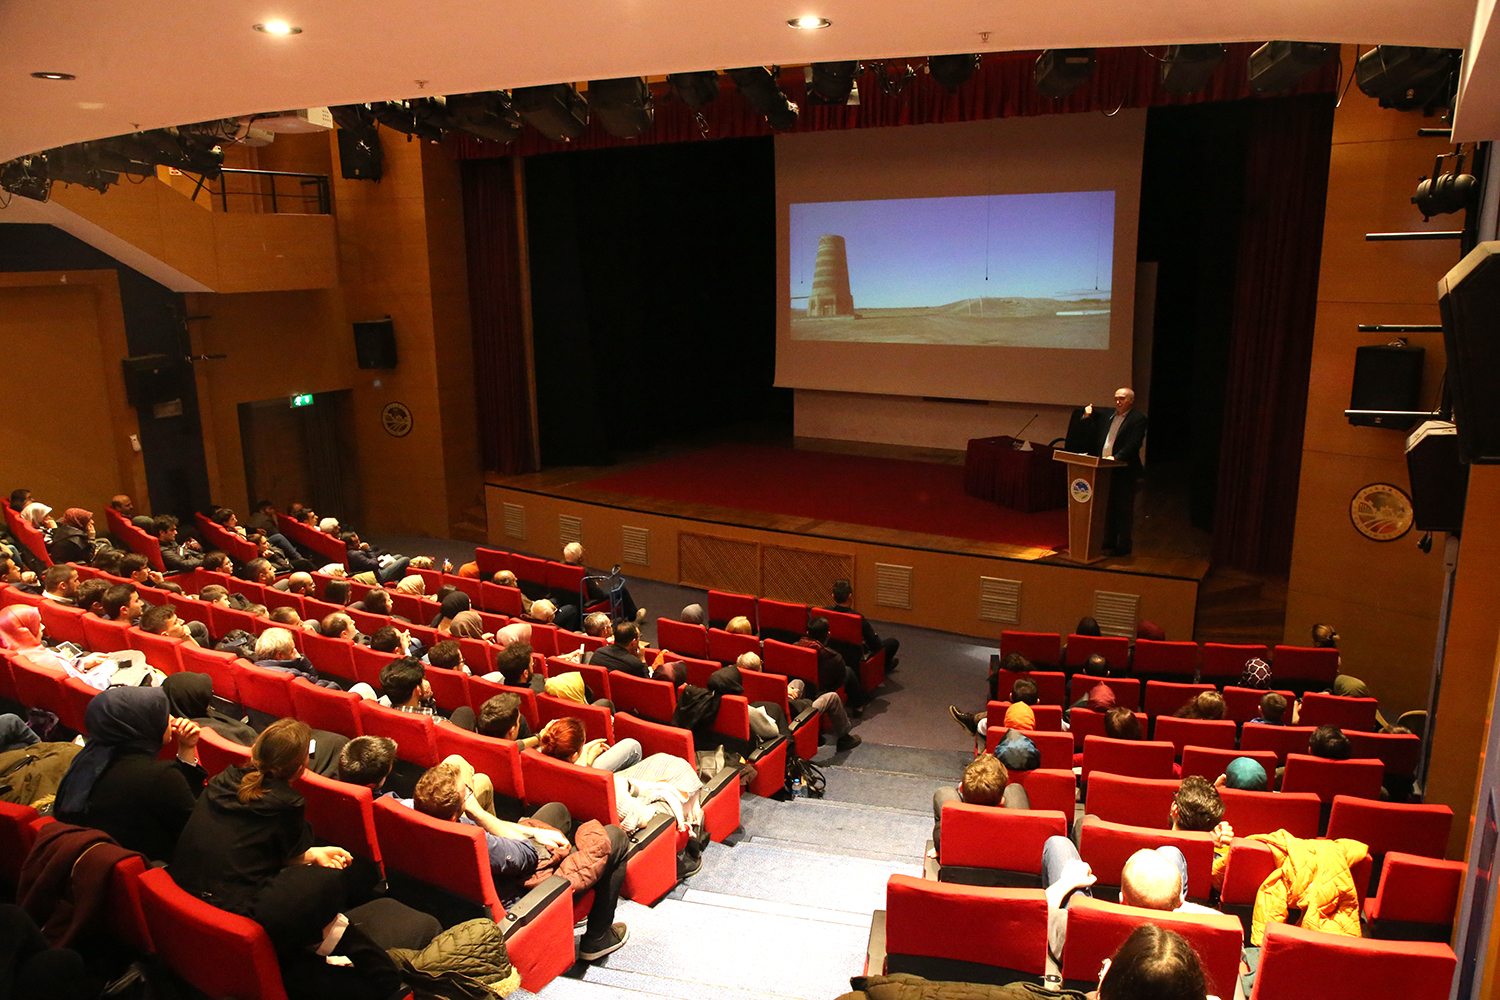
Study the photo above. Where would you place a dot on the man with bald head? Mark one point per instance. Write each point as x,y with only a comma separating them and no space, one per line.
1119,434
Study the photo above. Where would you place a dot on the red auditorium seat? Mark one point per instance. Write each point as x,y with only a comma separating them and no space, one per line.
723,606
1329,778
726,647
1051,685
1049,788
217,752
682,637
1266,812
1097,929
1119,798
63,623
963,933
986,845
1210,762
1181,733
1348,714
806,732
413,733
326,708
781,619
800,662
1174,659
481,691
1243,704
453,857
1107,846
1166,697
1280,740
1140,759
1044,649
499,600
598,723
1086,722
497,758
341,813
1115,649
1345,968
1048,717
1417,899
1127,689
216,951
1056,749
1410,828
1223,662
1305,667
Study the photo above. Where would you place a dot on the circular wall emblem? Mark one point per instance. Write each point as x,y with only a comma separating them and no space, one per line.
1081,491
1381,512
396,419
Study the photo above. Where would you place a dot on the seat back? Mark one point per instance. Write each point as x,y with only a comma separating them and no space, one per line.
1107,846
325,708
657,738
1210,762
644,697
341,813
1182,733
1305,666
1176,659
723,606
1166,697
1120,798
1222,661
1140,759
500,759
682,637
1051,685
1280,740
1243,704
1250,813
1411,828
1127,689
1320,709
588,792
1348,968
63,623
792,661
976,836
1115,649
1044,649
1000,928
1398,751
783,616
218,952
415,740
1329,778
1097,929
451,856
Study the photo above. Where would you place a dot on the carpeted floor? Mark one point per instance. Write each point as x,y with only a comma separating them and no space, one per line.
881,492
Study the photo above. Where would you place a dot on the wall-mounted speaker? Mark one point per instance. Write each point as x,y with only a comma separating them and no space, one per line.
1387,377
1439,481
375,343
1469,299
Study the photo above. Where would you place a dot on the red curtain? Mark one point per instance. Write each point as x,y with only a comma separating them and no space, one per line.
501,374
1003,87
1275,302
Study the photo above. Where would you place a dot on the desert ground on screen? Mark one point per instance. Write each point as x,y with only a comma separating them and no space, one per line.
990,323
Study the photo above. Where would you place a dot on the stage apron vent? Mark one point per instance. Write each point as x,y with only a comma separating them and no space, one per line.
569,529
999,600
1117,614
515,520
892,585
636,543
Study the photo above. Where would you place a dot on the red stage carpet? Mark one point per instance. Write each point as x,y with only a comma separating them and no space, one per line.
880,492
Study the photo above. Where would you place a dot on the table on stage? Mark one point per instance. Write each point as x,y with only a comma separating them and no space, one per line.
1026,481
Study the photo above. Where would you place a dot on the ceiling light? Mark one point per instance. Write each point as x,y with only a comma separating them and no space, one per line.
809,23
54,76
278,28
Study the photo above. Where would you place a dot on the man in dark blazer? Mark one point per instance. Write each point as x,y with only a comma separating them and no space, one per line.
1120,435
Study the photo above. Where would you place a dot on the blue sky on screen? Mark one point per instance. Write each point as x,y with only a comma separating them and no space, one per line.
932,251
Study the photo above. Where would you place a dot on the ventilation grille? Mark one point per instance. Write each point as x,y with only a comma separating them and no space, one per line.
637,545
892,585
999,600
1117,614
515,520
569,529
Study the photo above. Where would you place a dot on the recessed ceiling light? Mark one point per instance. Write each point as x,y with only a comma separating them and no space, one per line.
54,76
278,28
809,22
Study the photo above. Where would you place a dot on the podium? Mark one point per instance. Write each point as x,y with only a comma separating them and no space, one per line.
1088,503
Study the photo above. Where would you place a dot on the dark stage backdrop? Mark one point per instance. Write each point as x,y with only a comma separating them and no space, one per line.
653,296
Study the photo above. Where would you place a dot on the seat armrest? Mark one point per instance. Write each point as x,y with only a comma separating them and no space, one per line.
533,903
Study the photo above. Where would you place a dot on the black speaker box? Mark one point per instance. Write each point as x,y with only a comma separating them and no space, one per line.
1387,377
375,343
1439,481
151,379
1469,298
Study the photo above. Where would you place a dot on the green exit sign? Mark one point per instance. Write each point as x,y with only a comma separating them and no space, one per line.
305,399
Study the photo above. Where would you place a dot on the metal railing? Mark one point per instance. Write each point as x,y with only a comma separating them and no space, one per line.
311,196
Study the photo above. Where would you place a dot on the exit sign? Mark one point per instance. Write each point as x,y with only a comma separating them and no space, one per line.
305,399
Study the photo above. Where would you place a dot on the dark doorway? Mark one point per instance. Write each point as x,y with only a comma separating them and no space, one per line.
301,453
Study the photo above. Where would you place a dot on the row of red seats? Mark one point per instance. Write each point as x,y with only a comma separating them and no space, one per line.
1306,665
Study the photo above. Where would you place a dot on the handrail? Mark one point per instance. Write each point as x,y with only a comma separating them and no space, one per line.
323,203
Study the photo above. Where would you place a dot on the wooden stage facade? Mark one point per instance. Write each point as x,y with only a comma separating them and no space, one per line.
931,581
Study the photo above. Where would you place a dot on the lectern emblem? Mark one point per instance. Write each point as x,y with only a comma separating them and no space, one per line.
1081,491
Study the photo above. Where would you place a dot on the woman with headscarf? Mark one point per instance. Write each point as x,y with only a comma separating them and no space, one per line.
73,539
466,625
190,696
38,515
117,784
453,604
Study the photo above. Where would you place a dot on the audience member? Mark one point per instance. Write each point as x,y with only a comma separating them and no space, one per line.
843,595
985,783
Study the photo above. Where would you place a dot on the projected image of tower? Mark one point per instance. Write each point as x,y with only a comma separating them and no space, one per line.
830,291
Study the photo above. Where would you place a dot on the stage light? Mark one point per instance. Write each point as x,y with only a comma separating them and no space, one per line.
1187,68
53,76
557,111
27,177
759,87
1443,193
1059,72
277,28
623,105
953,71
809,23
1277,66
1406,78
831,82
697,90
486,115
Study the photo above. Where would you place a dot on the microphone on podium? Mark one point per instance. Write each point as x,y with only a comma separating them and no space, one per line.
1016,441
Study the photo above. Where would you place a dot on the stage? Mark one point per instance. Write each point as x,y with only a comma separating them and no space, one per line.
784,523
